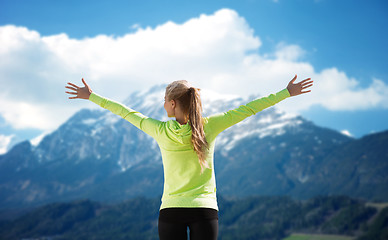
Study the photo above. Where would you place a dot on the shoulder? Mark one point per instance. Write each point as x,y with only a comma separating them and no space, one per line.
170,124
205,120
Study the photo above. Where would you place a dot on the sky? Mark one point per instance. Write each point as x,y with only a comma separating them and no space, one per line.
245,47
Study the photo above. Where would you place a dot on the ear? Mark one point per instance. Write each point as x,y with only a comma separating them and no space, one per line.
173,104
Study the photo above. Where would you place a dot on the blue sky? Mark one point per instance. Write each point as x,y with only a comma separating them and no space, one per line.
341,42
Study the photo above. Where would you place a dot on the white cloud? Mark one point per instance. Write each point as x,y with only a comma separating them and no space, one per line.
289,52
4,142
217,51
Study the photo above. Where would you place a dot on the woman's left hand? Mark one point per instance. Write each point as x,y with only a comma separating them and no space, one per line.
82,93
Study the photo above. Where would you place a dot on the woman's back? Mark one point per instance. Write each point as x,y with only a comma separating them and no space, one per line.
187,147
185,183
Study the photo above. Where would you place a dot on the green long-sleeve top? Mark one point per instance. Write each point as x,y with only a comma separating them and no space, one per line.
184,184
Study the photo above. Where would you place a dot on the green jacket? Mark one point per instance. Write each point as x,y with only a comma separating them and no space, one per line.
184,185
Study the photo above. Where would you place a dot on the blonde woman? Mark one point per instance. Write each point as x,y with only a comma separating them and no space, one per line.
187,148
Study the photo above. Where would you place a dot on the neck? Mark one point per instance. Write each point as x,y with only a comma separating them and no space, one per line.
180,118
181,121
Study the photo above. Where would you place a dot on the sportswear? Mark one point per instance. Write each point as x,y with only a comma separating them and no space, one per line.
202,222
184,184
186,215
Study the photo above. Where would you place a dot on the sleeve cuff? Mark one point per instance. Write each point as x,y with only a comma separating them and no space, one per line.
94,97
284,93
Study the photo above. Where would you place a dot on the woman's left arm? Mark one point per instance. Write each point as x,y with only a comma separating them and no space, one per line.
144,123
148,125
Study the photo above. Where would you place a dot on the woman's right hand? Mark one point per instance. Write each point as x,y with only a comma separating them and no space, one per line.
82,93
299,88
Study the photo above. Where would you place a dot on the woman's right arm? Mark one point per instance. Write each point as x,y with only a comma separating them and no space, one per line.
219,122
146,124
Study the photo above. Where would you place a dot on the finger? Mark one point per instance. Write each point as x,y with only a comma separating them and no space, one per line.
303,87
307,79
307,83
73,97
73,85
305,92
72,88
84,82
71,93
293,80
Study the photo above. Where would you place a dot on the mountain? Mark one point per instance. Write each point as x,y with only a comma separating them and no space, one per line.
98,155
254,217
308,162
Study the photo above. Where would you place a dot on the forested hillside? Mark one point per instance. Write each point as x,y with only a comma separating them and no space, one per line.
247,218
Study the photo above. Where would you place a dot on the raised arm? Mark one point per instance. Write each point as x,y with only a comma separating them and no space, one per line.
146,124
219,122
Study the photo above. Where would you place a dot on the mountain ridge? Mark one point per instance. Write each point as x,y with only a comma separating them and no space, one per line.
96,154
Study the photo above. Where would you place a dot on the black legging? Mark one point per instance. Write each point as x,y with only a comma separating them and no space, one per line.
202,223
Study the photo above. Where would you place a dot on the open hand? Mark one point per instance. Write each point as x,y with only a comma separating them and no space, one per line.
82,93
300,87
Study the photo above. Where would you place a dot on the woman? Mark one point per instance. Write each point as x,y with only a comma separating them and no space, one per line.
187,147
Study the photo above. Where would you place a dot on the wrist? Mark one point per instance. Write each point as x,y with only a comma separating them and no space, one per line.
90,93
289,92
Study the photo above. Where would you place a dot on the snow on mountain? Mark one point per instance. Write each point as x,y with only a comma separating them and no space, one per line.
96,133
99,155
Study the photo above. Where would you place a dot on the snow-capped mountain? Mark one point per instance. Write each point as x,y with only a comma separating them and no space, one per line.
98,155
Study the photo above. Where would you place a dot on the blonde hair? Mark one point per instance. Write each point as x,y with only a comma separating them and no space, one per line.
189,101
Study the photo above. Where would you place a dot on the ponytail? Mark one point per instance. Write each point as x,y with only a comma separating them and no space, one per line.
190,101
198,138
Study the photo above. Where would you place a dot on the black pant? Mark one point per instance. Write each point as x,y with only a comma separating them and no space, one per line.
202,223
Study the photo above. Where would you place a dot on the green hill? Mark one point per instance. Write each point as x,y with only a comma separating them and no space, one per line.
255,217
